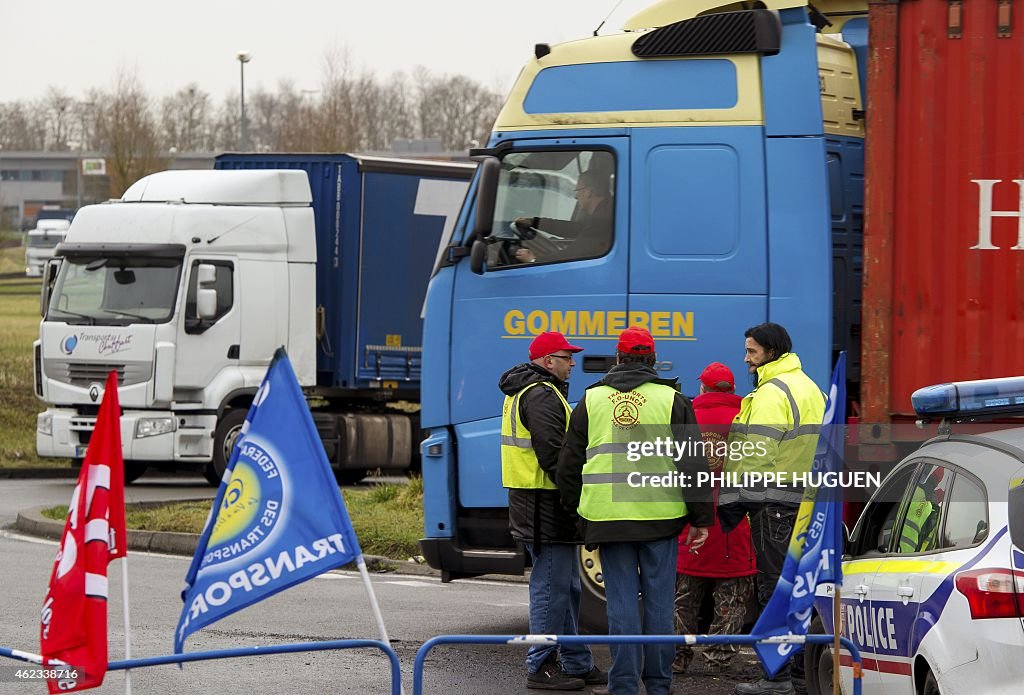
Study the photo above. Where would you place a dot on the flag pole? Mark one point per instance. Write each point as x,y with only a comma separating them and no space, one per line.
361,564
837,617
127,626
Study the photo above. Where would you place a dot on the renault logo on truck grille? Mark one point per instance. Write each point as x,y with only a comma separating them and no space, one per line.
94,392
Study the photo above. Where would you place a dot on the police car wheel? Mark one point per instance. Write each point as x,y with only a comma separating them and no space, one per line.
931,686
818,663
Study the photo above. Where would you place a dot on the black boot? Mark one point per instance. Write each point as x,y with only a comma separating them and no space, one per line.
550,677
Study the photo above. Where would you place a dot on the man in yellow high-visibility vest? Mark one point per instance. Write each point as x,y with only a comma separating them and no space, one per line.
776,432
533,422
633,506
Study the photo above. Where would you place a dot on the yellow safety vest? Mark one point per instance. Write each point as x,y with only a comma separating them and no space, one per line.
776,430
519,466
615,488
915,538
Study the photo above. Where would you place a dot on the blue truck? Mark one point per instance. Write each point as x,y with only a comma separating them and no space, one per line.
731,142
326,254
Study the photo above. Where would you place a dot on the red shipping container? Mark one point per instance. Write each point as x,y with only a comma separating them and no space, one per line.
944,219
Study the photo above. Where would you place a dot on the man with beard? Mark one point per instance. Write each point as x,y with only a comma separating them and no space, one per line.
776,431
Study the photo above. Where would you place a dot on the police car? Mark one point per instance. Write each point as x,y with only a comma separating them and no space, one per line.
933,575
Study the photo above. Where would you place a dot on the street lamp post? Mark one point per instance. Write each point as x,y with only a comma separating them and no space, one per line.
243,58
82,109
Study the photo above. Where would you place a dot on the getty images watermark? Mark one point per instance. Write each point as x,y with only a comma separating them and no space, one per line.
720,450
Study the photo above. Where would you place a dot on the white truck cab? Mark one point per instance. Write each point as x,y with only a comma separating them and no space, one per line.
185,287
40,244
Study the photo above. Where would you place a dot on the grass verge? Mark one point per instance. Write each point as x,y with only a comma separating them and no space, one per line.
388,519
19,316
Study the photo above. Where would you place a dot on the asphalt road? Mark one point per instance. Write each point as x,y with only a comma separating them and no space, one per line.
333,606
16,495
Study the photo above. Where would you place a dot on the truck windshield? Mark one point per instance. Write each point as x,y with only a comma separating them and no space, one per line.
47,241
115,291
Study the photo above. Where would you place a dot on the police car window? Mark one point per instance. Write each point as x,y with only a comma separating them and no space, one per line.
919,530
552,207
966,514
873,532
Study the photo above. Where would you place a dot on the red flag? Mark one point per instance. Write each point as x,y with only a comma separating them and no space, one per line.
73,627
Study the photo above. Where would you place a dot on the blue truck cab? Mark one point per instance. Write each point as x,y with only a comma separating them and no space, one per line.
729,146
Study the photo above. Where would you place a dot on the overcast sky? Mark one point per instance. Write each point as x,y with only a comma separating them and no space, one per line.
76,45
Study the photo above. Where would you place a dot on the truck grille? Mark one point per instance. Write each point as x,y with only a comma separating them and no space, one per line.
85,373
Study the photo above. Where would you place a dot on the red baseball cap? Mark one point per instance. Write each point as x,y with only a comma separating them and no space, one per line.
635,340
717,377
547,343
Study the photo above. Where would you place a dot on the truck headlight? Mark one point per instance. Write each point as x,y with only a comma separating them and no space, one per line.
152,426
44,423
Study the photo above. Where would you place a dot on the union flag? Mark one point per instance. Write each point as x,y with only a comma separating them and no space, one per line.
73,625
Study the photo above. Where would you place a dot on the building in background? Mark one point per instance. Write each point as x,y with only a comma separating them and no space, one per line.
31,180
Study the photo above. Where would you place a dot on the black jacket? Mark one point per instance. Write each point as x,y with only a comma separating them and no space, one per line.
626,377
537,516
591,232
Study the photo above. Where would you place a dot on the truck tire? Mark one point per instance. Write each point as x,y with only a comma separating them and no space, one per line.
133,470
593,605
224,437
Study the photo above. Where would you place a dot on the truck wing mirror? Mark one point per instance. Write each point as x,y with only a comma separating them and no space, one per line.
49,277
206,295
478,256
486,191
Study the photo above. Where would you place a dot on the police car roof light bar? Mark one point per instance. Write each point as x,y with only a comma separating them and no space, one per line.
970,401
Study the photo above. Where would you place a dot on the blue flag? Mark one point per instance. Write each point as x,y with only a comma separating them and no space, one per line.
278,518
816,547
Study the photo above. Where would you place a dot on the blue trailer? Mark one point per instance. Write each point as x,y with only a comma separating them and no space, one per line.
379,227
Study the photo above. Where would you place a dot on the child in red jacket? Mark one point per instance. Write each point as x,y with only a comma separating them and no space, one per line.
725,565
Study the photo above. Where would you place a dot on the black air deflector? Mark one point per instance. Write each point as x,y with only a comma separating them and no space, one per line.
748,31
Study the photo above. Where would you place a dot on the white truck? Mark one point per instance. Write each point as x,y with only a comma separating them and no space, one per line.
188,284
40,244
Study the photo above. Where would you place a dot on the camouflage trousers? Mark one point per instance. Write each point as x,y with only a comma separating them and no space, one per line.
731,596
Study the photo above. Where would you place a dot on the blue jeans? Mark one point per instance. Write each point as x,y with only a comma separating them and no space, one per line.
555,606
631,569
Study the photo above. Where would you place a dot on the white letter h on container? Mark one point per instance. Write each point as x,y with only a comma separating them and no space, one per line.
986,213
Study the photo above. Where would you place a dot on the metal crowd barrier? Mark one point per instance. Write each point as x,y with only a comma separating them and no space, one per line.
421,653
396,671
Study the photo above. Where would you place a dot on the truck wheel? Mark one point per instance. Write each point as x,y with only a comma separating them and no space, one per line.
931,686
593,606
133,470
818,662
224,437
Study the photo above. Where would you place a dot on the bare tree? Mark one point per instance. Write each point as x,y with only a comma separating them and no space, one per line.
127,130
22,127
184,118
57,106
456,109
354,110
336,128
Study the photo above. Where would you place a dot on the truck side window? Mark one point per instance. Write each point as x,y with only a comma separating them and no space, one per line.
919,532
967,517
225,286
552,207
